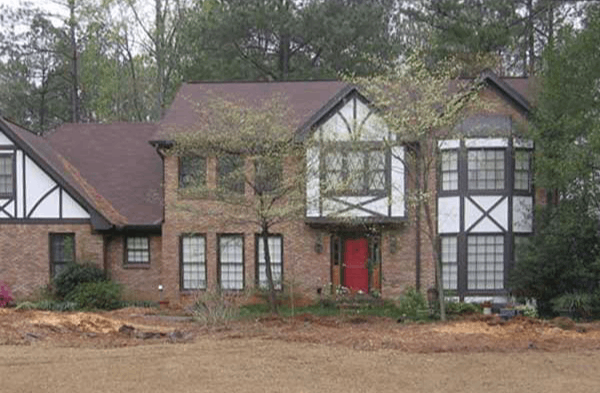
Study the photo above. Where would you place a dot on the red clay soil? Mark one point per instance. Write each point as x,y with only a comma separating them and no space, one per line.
138,326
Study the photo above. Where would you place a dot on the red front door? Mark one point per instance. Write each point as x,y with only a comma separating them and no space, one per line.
356,273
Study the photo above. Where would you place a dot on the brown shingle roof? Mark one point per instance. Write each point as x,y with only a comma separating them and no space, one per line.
304,98
64,172
117,161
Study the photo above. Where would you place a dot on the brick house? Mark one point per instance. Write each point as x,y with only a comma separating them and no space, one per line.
110,194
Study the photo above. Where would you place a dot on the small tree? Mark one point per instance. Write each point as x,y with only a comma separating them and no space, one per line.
261,132
420,106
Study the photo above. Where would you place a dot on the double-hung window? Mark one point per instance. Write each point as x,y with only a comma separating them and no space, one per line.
6,175
193,262
486,169
62,251
231,262
449,259
268,174
192,171
276,256
137,250
355,171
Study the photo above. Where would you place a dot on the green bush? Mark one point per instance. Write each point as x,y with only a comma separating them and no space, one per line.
75,274
576,304
104,295
462,308
48,305
413,304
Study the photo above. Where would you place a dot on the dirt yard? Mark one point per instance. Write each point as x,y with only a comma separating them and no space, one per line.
134,350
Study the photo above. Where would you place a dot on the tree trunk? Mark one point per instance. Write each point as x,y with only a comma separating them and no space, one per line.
269,272
75,110
158,47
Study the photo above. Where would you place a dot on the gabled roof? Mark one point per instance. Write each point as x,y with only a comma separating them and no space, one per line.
117,161
101,212
304,99
517,90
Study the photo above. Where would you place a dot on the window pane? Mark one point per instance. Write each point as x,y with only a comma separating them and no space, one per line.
193,262
193,171
62,251
449,170
449,263
138,250
231,261
231,173
269,173
522,170
6,174
275,254
485,262
485,169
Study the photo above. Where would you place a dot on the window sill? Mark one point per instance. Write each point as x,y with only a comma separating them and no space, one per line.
136,266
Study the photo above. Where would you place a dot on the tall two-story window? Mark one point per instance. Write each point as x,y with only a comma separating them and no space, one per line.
523,170
231,261
231,173
449,258
62,251
449,170
192,171
485,169
6,175
355,171
193,262
276,255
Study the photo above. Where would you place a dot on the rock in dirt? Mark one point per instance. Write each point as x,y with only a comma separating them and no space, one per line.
148,335
127,329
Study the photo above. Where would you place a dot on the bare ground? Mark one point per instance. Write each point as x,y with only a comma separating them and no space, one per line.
85,352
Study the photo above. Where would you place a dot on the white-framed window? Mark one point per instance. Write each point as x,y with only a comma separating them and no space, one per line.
276,255
449,170
231,261
485,262
137,250
6,175
449,259
355,171
485,169
523,170
193,262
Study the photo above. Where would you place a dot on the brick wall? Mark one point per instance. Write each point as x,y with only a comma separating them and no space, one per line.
25,253
140,280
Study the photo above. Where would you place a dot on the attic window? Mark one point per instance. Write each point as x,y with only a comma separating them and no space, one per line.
6,176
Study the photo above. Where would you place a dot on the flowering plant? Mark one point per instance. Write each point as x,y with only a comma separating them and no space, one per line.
5,295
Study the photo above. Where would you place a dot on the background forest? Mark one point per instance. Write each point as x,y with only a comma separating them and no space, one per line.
122,60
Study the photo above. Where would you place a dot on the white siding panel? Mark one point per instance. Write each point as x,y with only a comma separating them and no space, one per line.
19,172
4,140
37,183
522,214
486,202
448,215
486,142
48,208
500,214
10,208
312,182
3,215
333,208
472,213
398,191
486,226
335,129
348,112
72,209
379,206
449,144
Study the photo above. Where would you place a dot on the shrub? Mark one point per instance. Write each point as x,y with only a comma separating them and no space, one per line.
104,295
215,307
462,308
48,305
5,295
413,304
73,275
576,304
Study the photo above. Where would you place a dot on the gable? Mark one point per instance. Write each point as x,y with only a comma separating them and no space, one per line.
35,193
